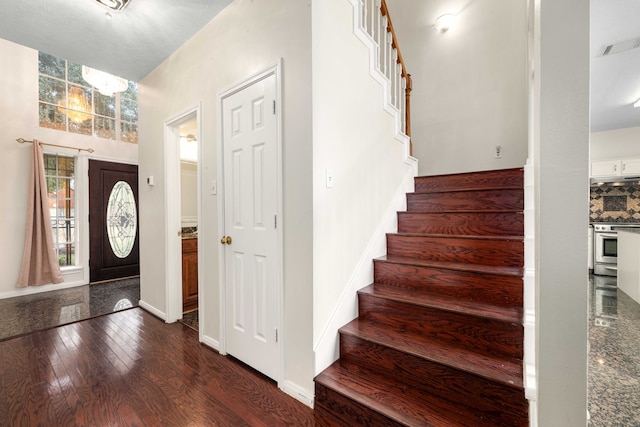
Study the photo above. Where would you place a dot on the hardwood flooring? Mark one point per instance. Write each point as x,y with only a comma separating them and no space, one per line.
131,369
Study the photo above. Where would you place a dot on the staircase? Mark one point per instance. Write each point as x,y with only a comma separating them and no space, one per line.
439,337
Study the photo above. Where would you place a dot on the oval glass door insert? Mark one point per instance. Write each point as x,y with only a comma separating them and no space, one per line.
122,219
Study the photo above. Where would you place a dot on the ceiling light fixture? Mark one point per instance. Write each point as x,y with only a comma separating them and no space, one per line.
107,84
78,107
117,5
444,22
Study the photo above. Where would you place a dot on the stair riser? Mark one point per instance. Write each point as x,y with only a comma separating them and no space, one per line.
506,178
474,333
475,251
466,200
504,291
459,223
456,386
350,412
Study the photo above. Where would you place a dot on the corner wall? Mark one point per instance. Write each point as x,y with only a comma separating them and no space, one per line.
243,39
560,157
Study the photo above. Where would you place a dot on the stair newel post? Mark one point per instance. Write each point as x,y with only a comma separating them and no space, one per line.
407,105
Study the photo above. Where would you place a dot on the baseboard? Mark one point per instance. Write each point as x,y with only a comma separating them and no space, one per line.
151,309
210,342
297,392
30,290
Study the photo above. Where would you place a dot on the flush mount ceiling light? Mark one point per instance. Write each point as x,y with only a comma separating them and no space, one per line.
116,5
637,103
107,84
444,22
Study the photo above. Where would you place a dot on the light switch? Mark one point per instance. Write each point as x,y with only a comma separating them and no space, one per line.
214,187
329,178
150,181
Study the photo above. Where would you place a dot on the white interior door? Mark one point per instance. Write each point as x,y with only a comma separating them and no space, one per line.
250,208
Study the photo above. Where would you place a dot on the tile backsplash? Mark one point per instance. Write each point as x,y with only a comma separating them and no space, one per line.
615,204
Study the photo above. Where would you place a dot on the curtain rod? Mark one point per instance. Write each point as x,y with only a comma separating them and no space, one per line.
22,141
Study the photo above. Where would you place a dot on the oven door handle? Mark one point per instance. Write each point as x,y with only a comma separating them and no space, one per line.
607,235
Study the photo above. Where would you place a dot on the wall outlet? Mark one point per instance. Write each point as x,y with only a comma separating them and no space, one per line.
498,152
328,173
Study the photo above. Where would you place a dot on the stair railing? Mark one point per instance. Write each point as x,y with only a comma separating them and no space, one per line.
375,21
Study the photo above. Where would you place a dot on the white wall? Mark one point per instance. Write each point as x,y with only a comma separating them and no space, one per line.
19,119
189,193
244,38
353,137
560,152
615,144
469,84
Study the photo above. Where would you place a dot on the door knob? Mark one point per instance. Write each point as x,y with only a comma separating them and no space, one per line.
226,240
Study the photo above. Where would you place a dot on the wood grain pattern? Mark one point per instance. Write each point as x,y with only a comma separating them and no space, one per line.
480,223
439,339
503,178
488,251
468,200
451,385
131,369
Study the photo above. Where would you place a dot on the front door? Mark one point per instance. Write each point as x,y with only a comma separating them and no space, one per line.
250,241
113,221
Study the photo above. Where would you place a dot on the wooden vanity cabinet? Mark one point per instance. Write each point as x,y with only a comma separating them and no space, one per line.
189,274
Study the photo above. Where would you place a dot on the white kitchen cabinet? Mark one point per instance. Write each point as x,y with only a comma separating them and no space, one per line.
606,168
611,168
631,167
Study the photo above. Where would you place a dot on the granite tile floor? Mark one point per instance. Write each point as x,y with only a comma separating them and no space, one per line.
613,355
25,314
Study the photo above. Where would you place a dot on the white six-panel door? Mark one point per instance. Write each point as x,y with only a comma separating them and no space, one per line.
250,208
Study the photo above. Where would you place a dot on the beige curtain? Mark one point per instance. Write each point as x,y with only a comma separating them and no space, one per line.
39,261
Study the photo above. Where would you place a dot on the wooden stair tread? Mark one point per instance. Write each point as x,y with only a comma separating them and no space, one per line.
455,211
425,298
395,402
501,370
461,236
467,189
458,266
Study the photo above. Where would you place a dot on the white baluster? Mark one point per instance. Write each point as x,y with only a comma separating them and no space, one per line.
384,51
403,106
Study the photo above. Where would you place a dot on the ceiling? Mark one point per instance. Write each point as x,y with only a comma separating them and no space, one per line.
615,78
132,43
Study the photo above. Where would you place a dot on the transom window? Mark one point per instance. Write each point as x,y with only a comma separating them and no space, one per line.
68,103
61,185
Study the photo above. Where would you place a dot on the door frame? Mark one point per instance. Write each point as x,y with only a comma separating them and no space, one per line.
173,223
275,69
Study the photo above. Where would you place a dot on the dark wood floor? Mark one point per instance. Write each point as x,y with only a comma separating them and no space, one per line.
131,369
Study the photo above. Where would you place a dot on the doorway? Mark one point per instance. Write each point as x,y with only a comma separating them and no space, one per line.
251,252
183,177
189,217
113,221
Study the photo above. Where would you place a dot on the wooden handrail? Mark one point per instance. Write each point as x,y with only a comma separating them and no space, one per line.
408,82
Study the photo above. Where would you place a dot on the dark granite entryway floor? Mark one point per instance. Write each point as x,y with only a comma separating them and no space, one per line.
25,314
613,355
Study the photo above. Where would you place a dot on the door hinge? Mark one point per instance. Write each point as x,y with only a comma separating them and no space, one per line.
274,106
88,218
276,335
275,221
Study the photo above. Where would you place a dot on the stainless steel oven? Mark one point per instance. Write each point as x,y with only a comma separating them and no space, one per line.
605,248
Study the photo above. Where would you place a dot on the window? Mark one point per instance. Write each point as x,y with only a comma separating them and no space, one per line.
68,103
60,175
